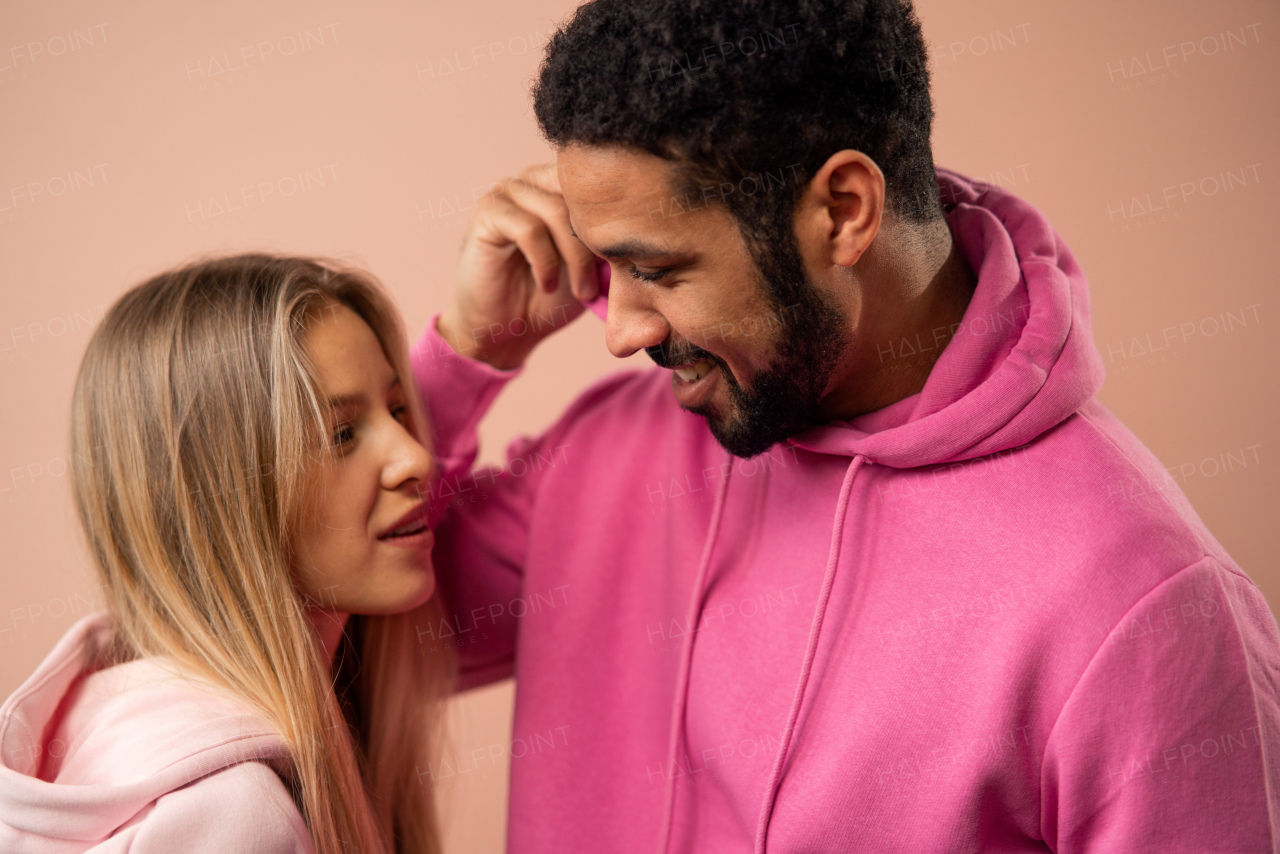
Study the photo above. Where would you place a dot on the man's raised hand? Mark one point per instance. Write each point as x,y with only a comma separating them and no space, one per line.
522,274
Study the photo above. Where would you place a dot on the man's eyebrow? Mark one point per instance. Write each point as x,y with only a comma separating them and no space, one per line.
629,249
635,250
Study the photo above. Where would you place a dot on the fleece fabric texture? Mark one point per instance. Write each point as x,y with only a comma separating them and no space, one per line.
135,758
984,618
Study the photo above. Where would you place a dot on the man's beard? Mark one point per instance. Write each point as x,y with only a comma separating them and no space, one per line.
783,398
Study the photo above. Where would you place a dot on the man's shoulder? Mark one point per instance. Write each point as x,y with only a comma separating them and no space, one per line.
1093,461
625,427
647,387
631,402
1109,512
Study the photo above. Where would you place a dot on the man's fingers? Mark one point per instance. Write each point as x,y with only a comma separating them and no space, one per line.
551,209
544,176
503,222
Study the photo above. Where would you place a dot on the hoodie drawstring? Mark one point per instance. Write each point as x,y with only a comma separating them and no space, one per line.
815,629
686,657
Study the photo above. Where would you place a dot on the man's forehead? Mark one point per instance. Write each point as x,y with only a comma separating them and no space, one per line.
617,199
592,175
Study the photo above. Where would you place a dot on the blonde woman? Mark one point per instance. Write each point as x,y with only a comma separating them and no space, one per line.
249,466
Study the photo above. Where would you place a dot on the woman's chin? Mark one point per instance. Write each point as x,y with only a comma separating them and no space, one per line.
428,590
386,587
414,593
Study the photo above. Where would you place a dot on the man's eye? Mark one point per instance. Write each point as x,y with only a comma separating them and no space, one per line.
343,435
647,276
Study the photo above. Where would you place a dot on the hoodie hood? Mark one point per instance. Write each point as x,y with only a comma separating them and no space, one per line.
1021,360
84,747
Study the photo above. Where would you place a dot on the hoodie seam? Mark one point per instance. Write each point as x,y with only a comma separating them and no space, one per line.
1093,657
1269,786
221,744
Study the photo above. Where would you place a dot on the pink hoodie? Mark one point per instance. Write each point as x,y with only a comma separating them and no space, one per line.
983,618
135,758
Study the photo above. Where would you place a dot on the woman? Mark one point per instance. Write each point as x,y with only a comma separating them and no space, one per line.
249,470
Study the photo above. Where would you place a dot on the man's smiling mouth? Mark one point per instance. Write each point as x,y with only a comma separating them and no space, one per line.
696,371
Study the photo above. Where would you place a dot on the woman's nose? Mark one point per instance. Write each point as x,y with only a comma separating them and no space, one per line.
407,460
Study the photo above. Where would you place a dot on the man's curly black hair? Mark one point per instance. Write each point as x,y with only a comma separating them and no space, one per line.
749,93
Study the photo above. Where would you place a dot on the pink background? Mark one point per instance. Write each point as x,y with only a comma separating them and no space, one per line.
138,134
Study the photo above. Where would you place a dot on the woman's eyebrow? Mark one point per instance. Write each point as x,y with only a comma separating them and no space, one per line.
345,400
356,398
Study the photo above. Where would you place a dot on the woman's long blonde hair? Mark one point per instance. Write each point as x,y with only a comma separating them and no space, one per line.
195,422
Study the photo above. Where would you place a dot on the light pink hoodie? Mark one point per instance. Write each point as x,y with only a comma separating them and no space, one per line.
136,758
984,618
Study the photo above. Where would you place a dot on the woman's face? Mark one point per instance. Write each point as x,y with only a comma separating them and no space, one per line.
362,545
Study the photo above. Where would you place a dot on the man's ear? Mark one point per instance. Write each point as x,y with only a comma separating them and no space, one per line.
840,210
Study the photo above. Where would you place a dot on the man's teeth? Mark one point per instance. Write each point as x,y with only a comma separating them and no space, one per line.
694,372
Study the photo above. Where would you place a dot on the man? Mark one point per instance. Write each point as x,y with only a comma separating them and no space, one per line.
862,566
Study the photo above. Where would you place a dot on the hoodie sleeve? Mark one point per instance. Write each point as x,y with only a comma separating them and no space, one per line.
1171,739
457,392
244,808
481,516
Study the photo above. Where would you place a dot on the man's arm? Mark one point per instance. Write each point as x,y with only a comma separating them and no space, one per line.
521,277
480,516
1171,739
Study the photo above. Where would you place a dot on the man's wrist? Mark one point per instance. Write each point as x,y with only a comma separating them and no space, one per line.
475,342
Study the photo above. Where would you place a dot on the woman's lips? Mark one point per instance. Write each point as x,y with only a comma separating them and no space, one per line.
410,523
419,539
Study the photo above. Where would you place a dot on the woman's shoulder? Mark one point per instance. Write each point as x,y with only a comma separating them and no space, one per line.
245,807
151,718
139,743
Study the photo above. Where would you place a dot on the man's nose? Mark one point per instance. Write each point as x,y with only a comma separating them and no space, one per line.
632,323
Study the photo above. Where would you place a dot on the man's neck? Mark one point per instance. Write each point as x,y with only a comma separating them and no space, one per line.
894,360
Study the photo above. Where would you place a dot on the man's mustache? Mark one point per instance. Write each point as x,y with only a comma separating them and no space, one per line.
671,355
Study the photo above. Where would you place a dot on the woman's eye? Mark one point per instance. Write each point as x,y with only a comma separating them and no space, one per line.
400,413
646,275
343,435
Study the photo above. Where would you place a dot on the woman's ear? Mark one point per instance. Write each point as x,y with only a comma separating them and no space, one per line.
840,210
